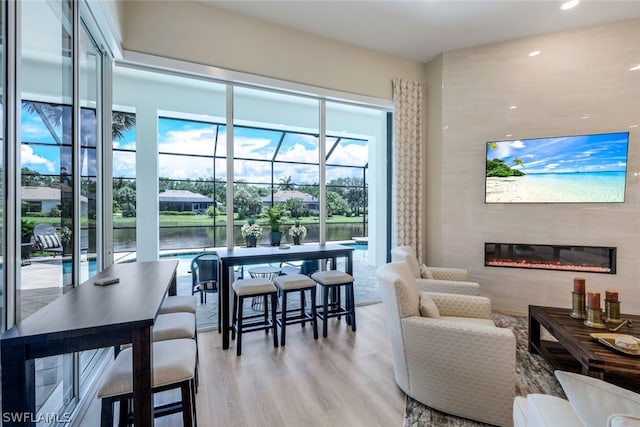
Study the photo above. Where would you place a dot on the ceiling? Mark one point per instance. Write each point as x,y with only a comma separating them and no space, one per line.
420,30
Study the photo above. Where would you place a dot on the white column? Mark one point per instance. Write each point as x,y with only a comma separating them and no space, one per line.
147,211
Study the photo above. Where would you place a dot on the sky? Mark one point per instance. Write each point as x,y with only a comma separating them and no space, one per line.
197,138
568,154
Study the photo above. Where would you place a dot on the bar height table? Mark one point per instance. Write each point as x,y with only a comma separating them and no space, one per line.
260,255
88,317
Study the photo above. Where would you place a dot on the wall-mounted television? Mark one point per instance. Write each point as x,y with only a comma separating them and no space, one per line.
566,169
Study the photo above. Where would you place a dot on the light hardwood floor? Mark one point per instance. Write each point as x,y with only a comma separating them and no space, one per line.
345,379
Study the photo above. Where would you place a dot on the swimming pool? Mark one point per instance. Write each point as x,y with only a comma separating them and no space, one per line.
360,251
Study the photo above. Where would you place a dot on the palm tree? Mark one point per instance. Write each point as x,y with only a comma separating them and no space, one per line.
52,115
518,162
120,123
286,183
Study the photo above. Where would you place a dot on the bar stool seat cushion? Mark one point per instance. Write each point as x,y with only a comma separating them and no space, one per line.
179,304
332,277
293,282
172,326
244,287
174,361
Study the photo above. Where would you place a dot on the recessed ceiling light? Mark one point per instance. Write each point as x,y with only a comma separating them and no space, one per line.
513,107
534,53
635,68
569,5
585,117
633,126
508,135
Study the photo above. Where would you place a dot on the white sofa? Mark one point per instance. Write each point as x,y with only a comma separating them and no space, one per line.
436,279
592,403
459,363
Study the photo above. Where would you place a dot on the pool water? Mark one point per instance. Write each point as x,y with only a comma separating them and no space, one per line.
360,251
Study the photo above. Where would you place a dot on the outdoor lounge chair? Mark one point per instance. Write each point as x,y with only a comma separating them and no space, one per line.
47,239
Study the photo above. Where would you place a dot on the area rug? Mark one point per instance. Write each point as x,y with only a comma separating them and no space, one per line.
533,375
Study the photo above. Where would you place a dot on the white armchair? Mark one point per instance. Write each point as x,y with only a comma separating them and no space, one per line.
436,279
459,363
592,403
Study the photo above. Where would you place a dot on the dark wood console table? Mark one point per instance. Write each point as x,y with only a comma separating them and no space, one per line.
576,351
259,255
88,317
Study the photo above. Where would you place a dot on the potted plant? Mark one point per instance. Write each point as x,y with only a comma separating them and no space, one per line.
297,232
251,232
274,216
65,238
26,230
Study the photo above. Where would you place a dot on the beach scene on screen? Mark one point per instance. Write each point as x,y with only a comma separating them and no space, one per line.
568,169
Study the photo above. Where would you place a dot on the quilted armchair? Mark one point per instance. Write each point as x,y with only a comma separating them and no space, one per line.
592,403
436,279
456,361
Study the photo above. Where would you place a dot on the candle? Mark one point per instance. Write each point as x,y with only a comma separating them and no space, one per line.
611,295
578,285
593,300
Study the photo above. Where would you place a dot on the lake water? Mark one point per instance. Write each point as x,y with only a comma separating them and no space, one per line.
124,239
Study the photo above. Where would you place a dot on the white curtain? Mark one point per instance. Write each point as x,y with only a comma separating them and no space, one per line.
407,164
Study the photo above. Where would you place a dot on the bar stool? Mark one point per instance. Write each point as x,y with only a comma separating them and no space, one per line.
174,364
262,272
334,280
296,283
179,304
173,326
250,288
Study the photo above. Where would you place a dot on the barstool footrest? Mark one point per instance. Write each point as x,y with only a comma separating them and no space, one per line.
306,317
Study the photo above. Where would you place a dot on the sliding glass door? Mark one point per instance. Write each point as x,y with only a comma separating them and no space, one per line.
59,138
283,148
276,162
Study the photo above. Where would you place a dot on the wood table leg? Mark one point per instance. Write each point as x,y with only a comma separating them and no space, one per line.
18,387
142,353
534,334
224,293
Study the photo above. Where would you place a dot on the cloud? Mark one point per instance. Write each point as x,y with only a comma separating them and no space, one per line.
518,144
28,157
350,154
189,141
552,165
305,149
31,131
124,164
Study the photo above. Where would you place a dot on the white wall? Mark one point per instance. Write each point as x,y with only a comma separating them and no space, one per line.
578,72
201,33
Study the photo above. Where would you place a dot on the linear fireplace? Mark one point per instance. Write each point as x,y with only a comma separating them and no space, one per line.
592,259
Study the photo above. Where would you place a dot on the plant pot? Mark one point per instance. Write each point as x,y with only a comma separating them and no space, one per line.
251,241
296,240
275,237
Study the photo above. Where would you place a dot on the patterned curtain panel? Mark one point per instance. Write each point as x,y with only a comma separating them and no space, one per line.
407,167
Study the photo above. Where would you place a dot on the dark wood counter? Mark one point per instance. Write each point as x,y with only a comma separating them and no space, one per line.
88,317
